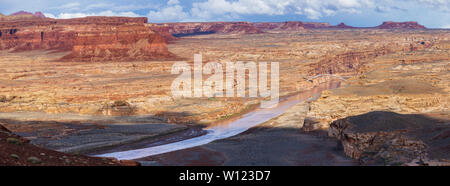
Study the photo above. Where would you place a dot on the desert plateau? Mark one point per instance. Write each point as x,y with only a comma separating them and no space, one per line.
98,91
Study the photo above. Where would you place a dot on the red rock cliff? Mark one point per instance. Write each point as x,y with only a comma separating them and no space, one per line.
89,39
163,30
119,43
22,39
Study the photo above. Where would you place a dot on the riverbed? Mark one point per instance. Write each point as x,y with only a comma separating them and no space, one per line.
224,129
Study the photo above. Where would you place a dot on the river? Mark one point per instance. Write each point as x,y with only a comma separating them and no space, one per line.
228,128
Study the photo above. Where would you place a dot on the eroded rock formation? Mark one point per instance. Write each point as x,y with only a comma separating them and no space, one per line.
89,39
343,26
353,62
119,43
22,39
163,30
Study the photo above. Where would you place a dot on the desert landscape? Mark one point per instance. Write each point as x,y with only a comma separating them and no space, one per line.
97,91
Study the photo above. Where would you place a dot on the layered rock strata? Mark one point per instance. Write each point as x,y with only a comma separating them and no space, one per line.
89,39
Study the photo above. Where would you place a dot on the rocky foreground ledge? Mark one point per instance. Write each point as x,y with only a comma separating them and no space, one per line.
17,151
388,138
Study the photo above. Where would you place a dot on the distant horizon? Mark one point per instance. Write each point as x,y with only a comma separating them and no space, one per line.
357,13
234,21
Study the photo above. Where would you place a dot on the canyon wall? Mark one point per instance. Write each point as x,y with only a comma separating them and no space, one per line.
89,39
119,43
19,39
163,30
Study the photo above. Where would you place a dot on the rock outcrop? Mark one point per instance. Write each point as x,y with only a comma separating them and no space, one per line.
343,26
387,138
400,25
89,39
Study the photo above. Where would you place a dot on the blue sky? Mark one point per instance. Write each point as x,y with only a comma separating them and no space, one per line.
431,13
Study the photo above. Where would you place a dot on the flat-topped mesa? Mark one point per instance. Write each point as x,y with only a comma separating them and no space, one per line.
186,29
265,26
14,21
102,20
281,26
291,26
237,28
316,25
401,25
90,39
119,43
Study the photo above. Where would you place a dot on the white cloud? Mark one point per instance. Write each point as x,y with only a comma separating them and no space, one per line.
172,12
442,5
217,8
225,9
68,6
319,9
173,2
229,10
